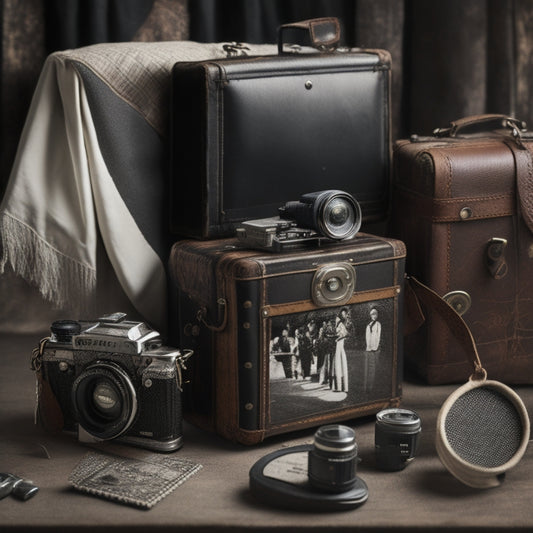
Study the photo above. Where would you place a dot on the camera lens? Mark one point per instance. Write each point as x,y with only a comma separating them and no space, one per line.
339,215
334,214
333,459
104,400
396,438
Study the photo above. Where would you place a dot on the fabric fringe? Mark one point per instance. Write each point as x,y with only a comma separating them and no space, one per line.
62,281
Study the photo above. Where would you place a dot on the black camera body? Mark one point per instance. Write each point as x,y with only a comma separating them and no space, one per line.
111,379
330,214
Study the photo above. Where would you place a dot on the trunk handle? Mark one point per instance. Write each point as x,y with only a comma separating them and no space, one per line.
484,123
321,33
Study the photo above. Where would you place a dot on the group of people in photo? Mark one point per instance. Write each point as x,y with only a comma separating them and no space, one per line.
316,349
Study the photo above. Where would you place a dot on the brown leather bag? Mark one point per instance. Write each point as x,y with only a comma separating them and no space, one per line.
463,205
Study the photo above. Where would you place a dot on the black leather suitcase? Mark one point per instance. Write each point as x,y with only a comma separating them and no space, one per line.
285,341
251,133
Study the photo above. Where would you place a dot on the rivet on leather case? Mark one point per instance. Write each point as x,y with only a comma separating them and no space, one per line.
459,300
465,213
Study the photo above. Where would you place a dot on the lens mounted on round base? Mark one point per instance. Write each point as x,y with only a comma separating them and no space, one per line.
280,479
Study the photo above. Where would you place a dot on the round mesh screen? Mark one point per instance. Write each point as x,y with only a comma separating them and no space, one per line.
484,428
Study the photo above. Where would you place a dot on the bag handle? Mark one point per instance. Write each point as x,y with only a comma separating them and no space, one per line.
521,154
321,33
483,123
457,326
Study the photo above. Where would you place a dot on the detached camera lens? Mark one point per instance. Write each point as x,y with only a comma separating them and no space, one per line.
333,459
396,438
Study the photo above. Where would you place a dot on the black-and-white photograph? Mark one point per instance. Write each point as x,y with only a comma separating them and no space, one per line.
328,359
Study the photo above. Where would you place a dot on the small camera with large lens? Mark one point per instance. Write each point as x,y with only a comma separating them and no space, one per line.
331,214
111,379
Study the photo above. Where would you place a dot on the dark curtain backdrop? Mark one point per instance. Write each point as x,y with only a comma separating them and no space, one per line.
32,29
451,58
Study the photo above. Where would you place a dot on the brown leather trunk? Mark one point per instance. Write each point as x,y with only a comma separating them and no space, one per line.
463,207
271,355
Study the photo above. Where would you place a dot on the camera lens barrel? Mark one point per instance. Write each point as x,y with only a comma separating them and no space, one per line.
331,213
332,461
396,438
338,215
104,400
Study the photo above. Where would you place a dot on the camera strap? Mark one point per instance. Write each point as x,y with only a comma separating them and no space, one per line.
416,292
180,366
48,412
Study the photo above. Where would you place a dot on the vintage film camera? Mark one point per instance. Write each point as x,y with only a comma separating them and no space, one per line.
329,214
111,378
295,339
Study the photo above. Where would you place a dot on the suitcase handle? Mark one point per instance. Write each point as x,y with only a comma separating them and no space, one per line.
483,123
521,154
321,33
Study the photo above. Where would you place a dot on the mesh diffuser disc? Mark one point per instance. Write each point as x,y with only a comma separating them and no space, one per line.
484,428
482,431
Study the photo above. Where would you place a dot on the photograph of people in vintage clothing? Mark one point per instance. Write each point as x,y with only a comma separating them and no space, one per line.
329,358
373,340
339,368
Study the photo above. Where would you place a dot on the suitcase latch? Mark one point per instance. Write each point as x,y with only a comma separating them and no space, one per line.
495,257
333,284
